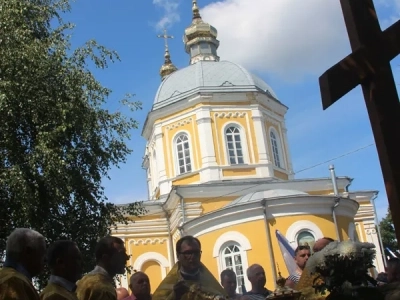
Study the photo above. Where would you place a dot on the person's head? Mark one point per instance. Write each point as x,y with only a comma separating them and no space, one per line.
140,285
256,275
322,243
111,255
122,293
188,251
301,256
65,260
228,281
27,247
393,270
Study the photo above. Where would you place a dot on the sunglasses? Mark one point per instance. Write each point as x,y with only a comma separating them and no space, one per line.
190,253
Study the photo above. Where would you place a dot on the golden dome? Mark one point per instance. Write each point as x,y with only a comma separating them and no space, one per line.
198,33
168,67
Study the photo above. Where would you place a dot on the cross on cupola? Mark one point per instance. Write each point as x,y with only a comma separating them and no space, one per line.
165,36
168,67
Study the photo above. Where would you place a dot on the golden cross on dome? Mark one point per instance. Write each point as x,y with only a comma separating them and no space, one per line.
165,36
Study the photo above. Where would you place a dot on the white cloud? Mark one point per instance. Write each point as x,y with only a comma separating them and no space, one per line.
171,13
288,38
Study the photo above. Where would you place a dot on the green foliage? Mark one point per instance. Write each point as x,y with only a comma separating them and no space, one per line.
57,141
387,232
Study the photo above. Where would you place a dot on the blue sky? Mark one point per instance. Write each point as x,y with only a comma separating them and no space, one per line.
288,43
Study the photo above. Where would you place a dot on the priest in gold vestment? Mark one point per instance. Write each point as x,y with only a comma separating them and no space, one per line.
25,253
65,262
111,258
189,278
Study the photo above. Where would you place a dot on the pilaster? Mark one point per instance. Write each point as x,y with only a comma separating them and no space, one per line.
207,150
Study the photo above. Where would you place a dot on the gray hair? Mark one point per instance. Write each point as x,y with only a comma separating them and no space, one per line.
21,238
250,270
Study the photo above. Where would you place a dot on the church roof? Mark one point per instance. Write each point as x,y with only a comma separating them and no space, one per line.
208,77
257,196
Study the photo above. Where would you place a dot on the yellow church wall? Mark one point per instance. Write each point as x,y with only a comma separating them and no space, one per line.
209,205
255,233
187,125
187,179
245,122
239,172
153,270
280,175
201,104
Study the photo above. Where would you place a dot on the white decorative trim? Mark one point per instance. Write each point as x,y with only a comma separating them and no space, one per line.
152,256
148,241
231,236
297,227
243,142
277,207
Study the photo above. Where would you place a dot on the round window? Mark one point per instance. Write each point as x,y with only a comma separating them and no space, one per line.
305,238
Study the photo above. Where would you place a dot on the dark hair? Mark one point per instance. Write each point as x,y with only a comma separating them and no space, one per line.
299,248
105,246
394,262
328,239
58,249
186,239
228,273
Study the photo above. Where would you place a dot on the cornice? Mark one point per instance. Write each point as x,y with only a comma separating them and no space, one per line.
148,241
180,123
229,115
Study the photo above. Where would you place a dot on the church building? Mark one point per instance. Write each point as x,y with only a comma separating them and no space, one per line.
219,168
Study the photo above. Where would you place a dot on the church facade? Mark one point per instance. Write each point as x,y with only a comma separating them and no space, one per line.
219,168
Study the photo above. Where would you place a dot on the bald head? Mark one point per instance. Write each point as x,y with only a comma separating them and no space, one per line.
256,275
140,285
322,243
122,293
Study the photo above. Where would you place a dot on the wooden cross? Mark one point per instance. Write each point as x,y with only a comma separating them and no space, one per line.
165,36
369,65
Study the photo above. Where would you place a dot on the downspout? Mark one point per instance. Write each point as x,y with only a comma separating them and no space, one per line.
269,243
337,200
378,230
171,242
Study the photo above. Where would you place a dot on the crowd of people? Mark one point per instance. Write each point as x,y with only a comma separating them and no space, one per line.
27,253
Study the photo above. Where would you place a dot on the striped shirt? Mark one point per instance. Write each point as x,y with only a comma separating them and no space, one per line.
295,277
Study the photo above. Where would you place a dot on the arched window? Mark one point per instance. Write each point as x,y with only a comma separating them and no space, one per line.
305,238
232,259
183,154
234,145
275,149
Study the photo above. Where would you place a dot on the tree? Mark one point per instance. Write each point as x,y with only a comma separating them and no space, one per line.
387,232
57,139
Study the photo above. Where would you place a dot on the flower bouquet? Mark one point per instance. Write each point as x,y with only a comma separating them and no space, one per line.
342,269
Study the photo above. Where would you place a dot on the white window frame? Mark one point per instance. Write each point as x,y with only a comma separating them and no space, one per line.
241,253
296,228
243,143
279,146
174,143
152,256
237,238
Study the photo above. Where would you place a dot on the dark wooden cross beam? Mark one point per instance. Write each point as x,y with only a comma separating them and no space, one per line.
369,65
